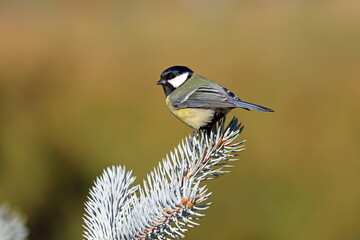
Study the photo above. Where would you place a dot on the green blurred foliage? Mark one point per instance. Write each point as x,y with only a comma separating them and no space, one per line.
78,94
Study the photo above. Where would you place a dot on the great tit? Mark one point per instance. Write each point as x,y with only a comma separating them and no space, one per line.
197,101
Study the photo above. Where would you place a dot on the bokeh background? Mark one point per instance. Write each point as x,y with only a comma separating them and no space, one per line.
78,94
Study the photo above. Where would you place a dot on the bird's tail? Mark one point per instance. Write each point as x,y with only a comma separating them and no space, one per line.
249,106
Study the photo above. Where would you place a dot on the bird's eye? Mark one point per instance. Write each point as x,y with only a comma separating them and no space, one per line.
171,76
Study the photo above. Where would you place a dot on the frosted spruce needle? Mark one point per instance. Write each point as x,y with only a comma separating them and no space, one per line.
171,199
12,224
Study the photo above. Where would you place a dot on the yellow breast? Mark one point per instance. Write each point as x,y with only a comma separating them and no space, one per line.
193,117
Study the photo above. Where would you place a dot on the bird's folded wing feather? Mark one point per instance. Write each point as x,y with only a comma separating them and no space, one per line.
204,97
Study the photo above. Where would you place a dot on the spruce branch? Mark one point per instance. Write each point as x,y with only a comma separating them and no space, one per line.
171,198
12,224
106,203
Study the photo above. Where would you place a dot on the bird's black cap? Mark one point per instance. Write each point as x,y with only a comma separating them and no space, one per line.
174,71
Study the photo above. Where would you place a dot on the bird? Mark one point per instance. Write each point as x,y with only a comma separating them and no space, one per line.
197,101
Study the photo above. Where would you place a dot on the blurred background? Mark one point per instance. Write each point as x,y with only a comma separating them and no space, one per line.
78,94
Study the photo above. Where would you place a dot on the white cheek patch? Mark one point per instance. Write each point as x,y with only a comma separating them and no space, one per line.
179,80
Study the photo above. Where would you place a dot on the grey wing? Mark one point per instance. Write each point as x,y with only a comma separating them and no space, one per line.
205,97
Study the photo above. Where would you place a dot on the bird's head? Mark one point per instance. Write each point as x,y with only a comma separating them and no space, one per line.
174,77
